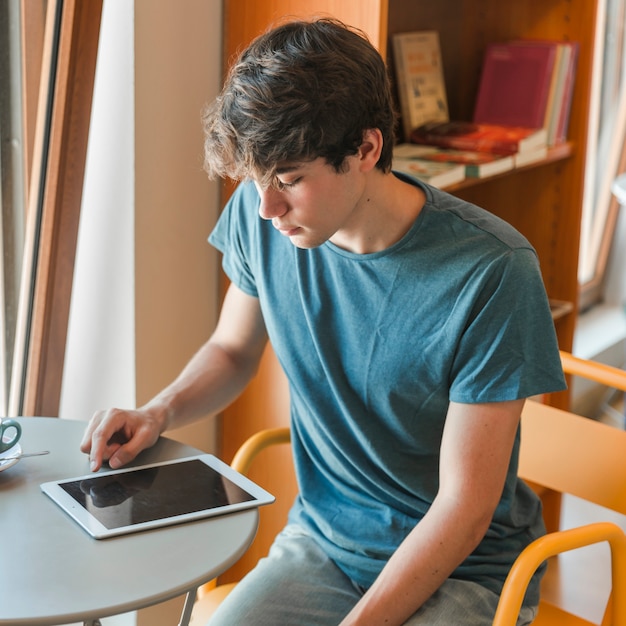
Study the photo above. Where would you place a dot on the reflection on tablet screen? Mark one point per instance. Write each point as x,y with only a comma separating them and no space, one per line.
153,493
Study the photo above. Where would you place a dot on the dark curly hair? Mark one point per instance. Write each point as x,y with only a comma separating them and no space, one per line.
301,91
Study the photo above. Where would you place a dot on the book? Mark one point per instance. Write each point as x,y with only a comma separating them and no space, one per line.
568,91
554,105
559,98
530,156
515,84
498,139
436,174
477,164
420,79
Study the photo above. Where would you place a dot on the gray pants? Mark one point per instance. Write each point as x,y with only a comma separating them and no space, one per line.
298,585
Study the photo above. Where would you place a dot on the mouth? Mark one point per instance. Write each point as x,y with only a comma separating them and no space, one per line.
287,231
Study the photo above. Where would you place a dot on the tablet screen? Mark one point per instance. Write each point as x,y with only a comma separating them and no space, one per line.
140,498
154,493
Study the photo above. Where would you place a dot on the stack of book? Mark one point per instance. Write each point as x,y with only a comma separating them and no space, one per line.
445,154
522,107
525,145
413,159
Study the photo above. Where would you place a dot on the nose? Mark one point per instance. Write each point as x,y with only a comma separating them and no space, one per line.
272,203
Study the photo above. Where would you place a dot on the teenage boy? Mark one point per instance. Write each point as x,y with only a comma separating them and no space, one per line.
411,326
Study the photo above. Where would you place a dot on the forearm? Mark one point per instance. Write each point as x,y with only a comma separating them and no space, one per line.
211,380
475,455
420,565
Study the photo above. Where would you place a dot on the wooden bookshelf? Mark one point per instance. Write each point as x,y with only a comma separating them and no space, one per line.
542,200
556,153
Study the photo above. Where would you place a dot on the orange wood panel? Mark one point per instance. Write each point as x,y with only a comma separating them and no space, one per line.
245,19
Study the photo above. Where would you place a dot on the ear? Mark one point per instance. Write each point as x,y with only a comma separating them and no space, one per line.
370,148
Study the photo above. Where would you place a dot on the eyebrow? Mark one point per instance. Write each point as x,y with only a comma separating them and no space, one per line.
286,169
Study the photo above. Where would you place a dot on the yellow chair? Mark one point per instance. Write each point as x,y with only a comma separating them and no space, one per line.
607,376
568,454
562,453
211,595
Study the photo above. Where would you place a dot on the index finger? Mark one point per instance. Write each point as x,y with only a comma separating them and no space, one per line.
99,438
85,443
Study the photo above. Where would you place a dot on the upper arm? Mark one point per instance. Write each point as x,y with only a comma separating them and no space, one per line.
240,330
476,451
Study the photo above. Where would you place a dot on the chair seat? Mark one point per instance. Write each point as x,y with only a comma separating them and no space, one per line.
550,615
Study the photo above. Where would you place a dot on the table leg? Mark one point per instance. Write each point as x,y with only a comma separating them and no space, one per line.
188,608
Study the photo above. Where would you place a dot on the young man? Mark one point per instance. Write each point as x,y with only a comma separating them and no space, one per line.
411,326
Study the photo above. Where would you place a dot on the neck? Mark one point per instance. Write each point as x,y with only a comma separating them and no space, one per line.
385,213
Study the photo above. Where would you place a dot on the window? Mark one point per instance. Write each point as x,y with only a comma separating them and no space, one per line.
46,89
606,152
19,85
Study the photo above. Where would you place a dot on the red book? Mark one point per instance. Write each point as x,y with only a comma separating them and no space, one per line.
561,88
493,138
515,84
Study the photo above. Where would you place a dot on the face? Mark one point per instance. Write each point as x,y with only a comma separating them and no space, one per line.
312,202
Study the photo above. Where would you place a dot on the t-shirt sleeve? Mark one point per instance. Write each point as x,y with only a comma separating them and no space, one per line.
509,349
232,237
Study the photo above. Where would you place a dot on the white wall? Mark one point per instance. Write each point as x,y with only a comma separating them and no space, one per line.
178,65
145,288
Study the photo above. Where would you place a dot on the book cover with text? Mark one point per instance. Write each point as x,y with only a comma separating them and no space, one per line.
420,79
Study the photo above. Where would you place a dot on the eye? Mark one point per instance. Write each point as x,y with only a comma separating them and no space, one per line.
288,184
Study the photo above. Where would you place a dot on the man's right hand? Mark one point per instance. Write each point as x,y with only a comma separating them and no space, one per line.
118,436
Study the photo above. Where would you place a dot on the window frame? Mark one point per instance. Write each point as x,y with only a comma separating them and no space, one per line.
55,182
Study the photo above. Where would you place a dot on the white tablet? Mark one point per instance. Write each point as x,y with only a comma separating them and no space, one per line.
138,498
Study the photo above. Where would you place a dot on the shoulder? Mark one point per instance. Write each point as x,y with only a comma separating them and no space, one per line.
244,198
240,217
472,220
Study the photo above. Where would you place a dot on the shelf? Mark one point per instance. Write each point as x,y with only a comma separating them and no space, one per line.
556,153
560,308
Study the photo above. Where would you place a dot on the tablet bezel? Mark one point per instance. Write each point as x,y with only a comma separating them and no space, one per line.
96,529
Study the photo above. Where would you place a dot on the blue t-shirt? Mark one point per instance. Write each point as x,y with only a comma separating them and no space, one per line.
375,346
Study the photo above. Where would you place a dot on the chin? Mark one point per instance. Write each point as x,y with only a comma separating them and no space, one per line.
306,245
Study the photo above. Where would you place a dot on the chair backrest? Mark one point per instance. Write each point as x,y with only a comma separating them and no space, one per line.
574,455
564,453
593,370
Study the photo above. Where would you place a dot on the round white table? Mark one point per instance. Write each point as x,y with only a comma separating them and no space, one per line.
52,572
